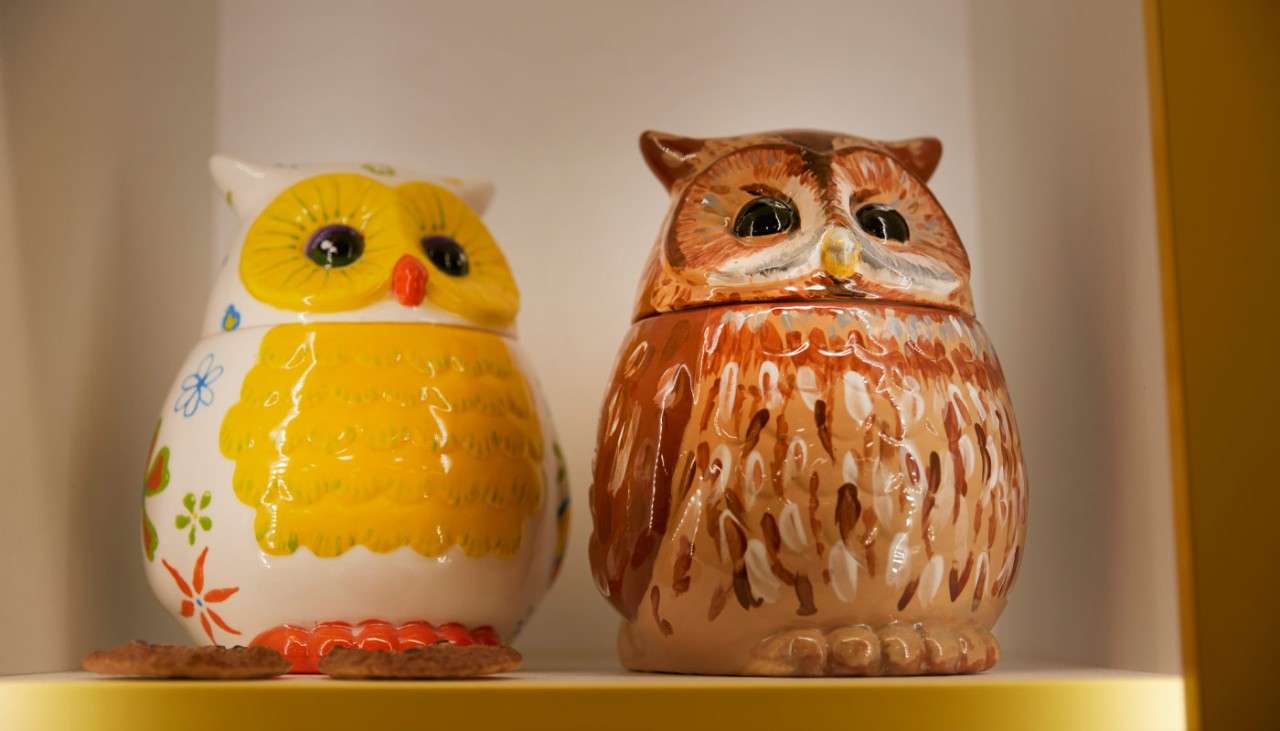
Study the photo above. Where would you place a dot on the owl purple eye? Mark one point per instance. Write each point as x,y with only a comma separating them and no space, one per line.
883,222
447,254
335,245
765,216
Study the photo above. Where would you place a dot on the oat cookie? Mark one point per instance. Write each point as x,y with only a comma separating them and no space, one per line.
141,659
441,660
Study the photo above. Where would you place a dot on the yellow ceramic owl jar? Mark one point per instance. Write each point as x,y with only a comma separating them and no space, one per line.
807,462
355,452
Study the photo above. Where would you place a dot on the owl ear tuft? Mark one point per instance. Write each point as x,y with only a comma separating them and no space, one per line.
672,158
920,155
247,187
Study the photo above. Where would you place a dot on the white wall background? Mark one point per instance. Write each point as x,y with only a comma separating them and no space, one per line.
1072,302
109,116
1073,305
1049,186
26,510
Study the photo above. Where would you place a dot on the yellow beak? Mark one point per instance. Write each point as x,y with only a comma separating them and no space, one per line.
839,252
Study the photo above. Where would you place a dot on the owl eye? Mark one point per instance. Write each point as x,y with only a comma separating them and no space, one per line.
883,222
335,245
765,216
447,254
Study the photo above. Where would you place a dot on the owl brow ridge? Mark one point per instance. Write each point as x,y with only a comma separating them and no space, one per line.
355,207
280,234
458,230
430,224
761,189
287,222
364,194
439,209
337,202
306,207
277,247
370,212
418,221
324,212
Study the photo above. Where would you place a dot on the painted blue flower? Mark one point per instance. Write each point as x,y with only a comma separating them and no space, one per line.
230,318
197,388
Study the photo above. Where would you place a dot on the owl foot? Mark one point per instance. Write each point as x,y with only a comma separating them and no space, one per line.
897,648
304,648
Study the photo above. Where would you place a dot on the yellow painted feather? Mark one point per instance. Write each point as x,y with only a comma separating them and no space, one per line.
385,435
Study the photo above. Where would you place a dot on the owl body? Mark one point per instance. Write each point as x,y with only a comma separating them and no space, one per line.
807,460
366,464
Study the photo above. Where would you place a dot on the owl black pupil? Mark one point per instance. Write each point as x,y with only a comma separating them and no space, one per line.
884,223
447,254
764,216
335,246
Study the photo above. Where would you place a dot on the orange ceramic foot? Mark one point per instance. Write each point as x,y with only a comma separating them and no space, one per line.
304,647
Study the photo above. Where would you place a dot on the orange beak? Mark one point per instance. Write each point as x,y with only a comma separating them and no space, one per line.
409,281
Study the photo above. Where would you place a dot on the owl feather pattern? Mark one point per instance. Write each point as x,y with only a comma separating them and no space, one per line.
807,461
383,436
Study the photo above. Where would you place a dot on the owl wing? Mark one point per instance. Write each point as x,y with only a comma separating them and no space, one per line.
638,455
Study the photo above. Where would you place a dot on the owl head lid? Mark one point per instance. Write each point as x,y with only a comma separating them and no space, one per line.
358,243
800,215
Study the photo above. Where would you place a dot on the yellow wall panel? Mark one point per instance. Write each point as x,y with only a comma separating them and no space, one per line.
1216,110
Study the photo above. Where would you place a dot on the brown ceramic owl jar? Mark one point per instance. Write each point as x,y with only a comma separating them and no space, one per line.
807,460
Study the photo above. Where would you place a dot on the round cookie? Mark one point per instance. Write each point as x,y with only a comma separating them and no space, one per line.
441,660
140,659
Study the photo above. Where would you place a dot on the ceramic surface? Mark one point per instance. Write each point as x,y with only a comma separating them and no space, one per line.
807,460
355,451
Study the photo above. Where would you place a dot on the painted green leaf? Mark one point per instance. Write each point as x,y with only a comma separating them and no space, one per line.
205,499
206,522
181,521
191,536
189,502
151,450
158,474
149,537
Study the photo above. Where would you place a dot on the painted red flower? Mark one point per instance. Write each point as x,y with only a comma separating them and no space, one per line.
198,600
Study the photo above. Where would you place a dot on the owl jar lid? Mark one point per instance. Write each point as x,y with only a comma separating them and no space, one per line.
358,243
800,215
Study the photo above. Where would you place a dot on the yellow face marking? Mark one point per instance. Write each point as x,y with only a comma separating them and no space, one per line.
279,266
487,293
274,263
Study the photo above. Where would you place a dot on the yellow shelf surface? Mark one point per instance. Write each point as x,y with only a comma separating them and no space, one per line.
1015,696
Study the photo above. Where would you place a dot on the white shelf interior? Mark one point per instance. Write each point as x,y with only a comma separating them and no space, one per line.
110,223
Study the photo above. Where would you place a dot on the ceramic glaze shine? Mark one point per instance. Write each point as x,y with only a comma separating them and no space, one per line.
807,461
355,453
